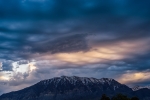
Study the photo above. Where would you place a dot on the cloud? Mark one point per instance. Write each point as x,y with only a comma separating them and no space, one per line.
29,34
135,77
116,51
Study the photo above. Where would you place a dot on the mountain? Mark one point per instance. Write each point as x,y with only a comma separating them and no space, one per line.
72,88
142,92
140,87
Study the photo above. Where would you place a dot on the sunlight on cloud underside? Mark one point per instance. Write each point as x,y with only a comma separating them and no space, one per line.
5,75
133,77
4,78
116,51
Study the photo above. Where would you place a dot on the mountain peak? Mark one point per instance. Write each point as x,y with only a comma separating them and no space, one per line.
76,81
68,86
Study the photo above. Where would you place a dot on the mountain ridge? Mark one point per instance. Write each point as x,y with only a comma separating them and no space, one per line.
71,87
135,88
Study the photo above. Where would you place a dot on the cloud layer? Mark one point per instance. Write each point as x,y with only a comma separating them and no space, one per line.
40,39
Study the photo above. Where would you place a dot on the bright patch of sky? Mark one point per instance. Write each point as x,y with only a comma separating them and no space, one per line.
17,68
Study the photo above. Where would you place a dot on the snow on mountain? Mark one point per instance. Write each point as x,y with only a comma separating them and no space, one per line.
69,88
140,87
74,80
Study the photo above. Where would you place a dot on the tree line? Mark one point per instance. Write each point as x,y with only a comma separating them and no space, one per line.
118,97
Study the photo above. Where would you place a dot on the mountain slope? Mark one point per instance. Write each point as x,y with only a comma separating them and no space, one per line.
70,88
140,87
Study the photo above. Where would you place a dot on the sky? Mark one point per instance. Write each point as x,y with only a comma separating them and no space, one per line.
42,39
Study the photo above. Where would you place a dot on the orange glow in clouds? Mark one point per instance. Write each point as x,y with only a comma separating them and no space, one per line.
116,51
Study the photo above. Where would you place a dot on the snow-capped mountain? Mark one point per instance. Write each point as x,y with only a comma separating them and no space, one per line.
76,81
71,88
140,87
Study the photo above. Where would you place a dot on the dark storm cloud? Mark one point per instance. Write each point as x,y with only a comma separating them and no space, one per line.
33,25
7,65
68,44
